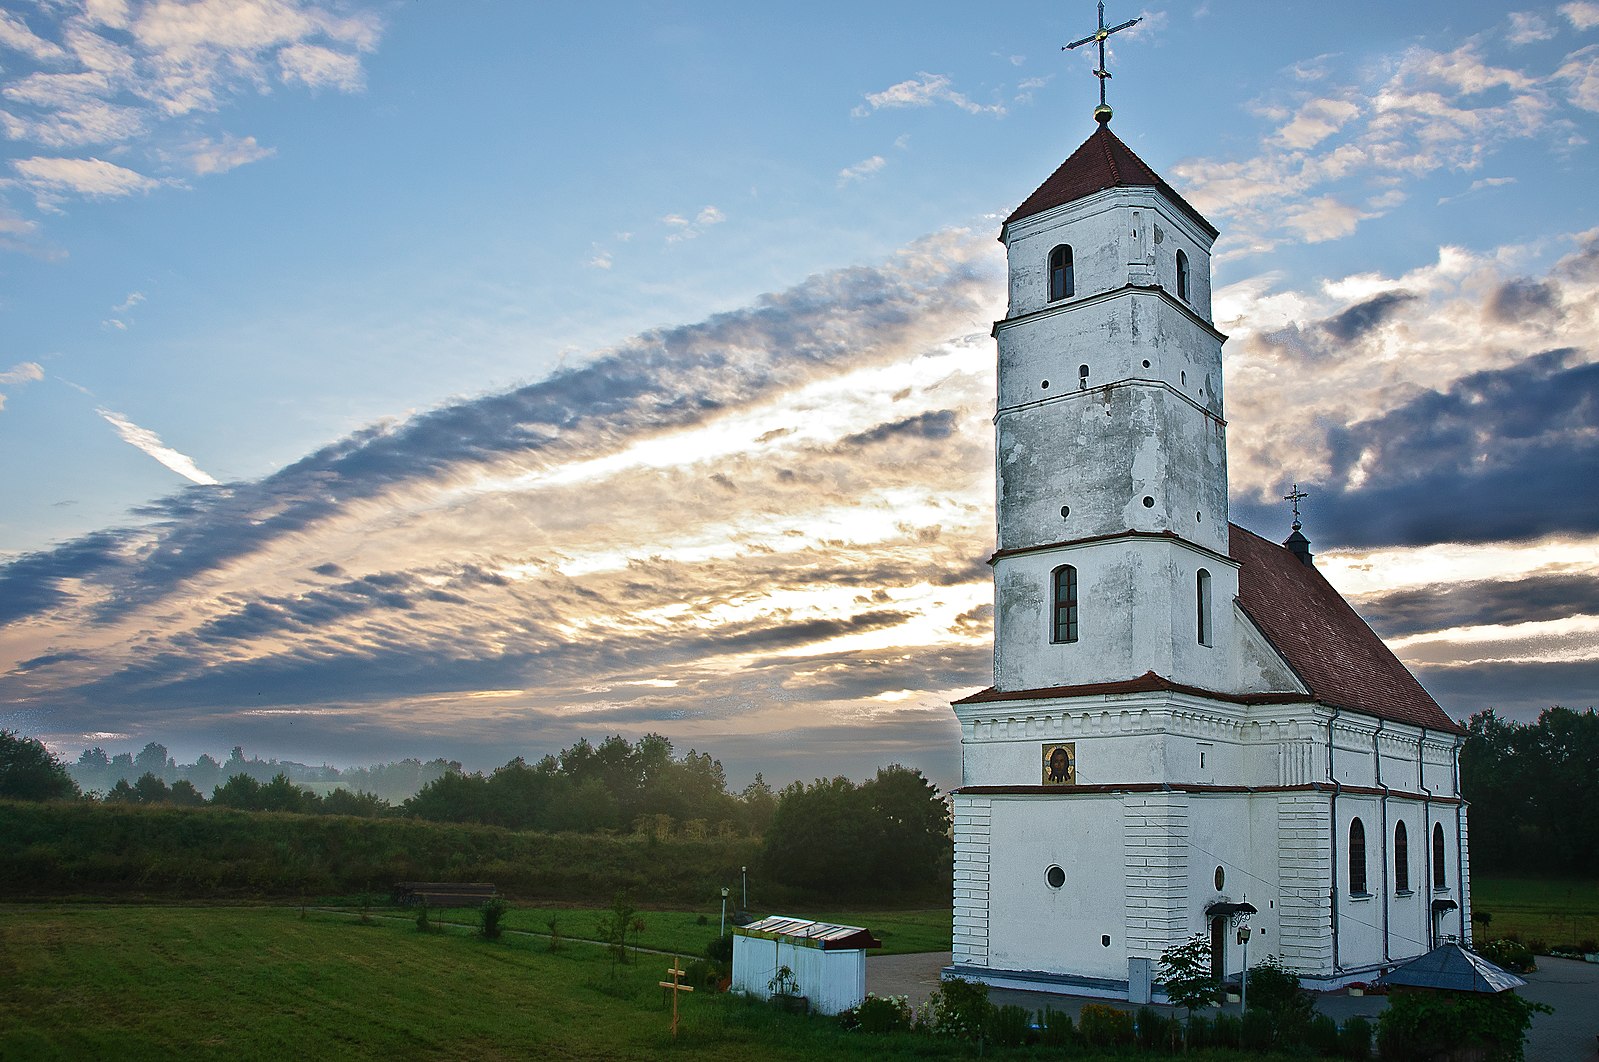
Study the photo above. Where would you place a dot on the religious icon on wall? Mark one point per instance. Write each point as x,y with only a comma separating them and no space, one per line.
1060,763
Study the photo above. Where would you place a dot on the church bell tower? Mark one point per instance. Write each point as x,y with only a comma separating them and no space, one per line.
1110,440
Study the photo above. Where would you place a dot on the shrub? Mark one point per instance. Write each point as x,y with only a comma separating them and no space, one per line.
881,1014
1275,991
1200,1032
1509,954
700,974
1227,1031
1104,1026
959,1008
1428,1024
1321,1035
1256,1030
720,950
1186,976
1011,1025
489,916
1055,1027
1354,1039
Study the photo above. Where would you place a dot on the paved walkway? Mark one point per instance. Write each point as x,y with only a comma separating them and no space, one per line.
1567,1035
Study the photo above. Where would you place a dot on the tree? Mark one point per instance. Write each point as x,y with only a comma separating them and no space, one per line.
28,770
150,789
241,791
1185,974
153,759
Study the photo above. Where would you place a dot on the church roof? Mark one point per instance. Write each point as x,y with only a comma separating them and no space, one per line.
1324,640
1102,161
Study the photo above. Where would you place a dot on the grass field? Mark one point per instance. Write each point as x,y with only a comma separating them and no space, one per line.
1547,911
900,931
244,983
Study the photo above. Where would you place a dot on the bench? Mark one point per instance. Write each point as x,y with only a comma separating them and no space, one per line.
442,893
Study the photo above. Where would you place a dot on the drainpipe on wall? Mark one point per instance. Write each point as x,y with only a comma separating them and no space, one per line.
1332,836
1376,752
1460,840
1426,832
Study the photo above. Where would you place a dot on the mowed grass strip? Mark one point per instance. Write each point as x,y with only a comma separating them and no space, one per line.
1550,911
902,932
133,982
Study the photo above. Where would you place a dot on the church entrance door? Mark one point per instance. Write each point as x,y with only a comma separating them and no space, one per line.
1218,948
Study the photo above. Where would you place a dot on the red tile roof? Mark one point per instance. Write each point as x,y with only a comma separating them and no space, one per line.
1102,161
1335,654
1328,645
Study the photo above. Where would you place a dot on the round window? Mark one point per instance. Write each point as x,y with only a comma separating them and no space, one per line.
1065,510
1055,876
1149,503
1221,878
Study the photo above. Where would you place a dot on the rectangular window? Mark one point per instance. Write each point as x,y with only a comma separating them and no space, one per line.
1065,594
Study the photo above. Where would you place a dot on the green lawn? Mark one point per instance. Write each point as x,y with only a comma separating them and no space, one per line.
1552,912
679,931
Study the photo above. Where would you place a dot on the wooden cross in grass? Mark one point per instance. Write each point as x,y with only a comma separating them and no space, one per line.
676,985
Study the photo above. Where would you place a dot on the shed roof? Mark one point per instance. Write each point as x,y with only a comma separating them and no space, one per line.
808,934
1102,161
1452,968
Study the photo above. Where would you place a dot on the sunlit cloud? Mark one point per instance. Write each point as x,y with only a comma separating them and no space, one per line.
150,443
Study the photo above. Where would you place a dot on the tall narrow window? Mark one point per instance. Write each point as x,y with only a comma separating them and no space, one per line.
1062,284
1202,601
1440,876
1357,858
1182,276
1401,858
1065,594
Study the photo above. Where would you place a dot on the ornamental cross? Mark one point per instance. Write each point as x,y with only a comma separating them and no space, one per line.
1098,37
1296,496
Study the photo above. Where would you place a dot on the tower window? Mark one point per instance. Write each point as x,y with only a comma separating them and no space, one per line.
1440,877
1182,276
1062,282
1202,600
1401,858
1065,596
1357,858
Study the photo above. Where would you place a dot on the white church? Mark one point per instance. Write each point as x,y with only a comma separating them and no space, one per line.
1189,730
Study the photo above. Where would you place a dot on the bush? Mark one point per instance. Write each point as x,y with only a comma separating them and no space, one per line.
720,950
1256,1030
1011,1025
422,919
881,1014
1055,1027
1103,1026
1227,1031
960,1009
1321,1036
489,916
1156,1032
1509,954
1199,1032
1354,1039
1428,1024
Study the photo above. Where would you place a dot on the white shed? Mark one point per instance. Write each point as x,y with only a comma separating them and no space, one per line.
828,962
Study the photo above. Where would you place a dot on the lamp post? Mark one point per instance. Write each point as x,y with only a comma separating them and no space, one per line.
744,872
723,931
1243,991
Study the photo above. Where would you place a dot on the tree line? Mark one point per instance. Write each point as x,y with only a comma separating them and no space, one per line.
1532,788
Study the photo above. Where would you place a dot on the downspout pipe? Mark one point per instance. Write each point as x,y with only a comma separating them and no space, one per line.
1376,755
1460,839
1332,837
1426,833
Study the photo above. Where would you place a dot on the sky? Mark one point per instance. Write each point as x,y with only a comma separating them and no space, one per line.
384,380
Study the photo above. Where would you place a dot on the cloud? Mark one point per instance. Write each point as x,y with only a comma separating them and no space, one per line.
861,170
1580,72
128,75
1540,596
22,373
207,156
1479,185
1355,322
681,228
1583,15
51,179
923,90
148,441
1527,27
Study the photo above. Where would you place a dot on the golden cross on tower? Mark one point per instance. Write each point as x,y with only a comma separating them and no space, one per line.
1102,112
1296,496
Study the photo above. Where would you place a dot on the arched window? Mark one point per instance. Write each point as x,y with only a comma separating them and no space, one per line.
1065,611
1062,284
1357,858
1182,276
1401,858
1202,599
1440,877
